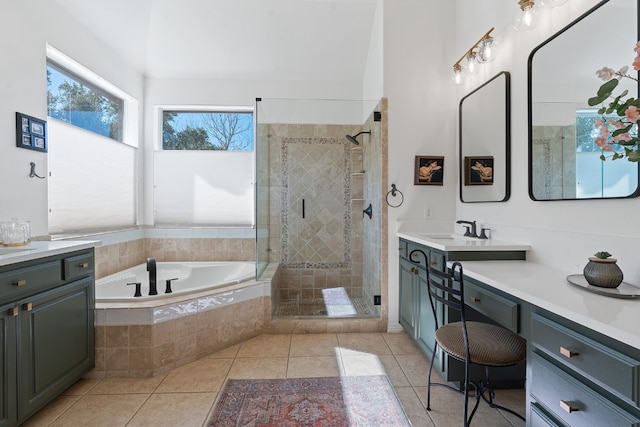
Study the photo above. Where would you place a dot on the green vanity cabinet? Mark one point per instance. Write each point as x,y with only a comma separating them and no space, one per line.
47,333
416,315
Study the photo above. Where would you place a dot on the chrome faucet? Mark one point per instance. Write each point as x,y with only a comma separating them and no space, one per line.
151,268
472,224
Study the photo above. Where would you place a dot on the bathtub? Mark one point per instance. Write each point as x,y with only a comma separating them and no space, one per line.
186,278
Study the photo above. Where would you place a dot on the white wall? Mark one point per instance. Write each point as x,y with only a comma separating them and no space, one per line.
419,53
562,233
25,29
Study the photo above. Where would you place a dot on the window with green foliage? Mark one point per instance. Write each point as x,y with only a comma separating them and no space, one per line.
74,100
207,130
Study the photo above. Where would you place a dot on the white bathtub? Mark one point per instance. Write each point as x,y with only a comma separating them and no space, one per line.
191,277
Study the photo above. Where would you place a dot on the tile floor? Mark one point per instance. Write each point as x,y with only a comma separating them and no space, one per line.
185,396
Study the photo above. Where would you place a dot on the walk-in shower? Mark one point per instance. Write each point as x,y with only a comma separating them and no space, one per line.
310,197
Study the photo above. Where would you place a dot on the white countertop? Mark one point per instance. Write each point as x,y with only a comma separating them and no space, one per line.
455,242
548,288
41,249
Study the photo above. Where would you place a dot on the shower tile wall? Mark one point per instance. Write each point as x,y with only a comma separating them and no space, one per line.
554,147
326,251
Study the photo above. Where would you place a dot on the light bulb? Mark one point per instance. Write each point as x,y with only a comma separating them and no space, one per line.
471,65
486,50
526,20
457,74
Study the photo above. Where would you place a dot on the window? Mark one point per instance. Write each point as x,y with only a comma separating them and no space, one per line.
74,100
204,169
93,174
207,130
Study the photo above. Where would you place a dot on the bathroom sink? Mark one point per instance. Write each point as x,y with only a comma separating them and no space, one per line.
436,236
9,251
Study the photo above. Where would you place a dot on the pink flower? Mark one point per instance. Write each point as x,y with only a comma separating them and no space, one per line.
598,123
604,131
637,48
622,137
632,113
606,73
603,144
616,124
636,63
623,71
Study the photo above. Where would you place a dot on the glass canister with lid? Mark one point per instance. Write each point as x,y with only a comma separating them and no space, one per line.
15,232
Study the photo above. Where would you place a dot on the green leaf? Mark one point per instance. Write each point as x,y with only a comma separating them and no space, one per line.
602,157
596,100
608,87
622,130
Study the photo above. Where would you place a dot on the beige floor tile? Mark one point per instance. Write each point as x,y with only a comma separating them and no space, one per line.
447,409
52,411
413,407
400,343
127,385
174,409
396,375
362,343
101,411
258,368
81,387
314,345
200,376
415,367
229,352
516,400
266,346
367,364
313,366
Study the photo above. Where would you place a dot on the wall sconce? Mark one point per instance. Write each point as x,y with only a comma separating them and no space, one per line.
482,51
526,19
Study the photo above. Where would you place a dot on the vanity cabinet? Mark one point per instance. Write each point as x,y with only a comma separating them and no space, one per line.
416,315
579,377
47,334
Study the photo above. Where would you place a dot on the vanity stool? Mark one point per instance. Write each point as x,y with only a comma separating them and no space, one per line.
470,342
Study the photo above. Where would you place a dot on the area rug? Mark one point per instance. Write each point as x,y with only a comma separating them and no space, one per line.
366,401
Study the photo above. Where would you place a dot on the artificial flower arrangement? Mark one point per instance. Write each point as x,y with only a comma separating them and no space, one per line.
624,130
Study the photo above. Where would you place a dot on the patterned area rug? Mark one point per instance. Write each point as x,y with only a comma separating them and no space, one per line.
316,402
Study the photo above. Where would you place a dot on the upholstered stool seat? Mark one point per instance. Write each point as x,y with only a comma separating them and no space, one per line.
489,345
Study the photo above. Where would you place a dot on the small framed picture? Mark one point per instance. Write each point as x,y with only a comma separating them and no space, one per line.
37,128
429,170
25,125
31,133
38,142
478,170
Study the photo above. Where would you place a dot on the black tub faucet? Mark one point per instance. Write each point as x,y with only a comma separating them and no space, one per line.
151,268
472,224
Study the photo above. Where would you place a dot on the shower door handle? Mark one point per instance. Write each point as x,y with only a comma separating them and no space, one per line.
302,208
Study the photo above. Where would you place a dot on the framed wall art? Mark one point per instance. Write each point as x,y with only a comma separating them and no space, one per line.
429,170
31,133
478,170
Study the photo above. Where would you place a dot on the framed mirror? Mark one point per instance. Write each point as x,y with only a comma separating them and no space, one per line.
564,161
485,141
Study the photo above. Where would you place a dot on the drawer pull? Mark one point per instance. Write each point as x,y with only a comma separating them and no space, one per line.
433,263
13,311
27,306
20,282
475,299
568,353
83,265
567,406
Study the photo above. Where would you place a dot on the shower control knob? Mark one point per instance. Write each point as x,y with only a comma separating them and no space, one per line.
167,289
138,284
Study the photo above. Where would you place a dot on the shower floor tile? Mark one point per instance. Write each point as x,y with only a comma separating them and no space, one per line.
324,307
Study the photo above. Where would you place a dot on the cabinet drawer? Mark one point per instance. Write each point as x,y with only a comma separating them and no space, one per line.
497,308
613,370
78,266
571,401
537,417
27,280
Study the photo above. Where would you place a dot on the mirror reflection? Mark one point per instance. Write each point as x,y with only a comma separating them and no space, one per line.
564,159
485,138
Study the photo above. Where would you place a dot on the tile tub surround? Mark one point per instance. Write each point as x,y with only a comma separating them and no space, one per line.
152,338
120,256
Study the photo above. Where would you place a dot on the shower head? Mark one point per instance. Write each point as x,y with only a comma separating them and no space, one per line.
353,140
